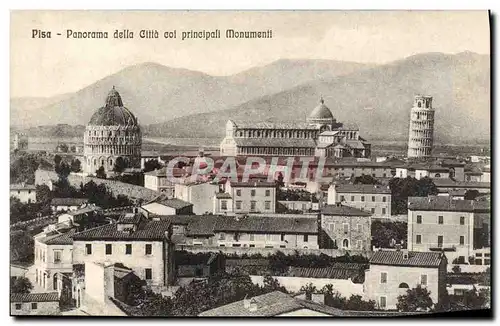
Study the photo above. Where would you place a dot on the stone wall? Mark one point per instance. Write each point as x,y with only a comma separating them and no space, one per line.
118,188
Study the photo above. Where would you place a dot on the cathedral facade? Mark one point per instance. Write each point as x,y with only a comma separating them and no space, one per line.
113,134
321,135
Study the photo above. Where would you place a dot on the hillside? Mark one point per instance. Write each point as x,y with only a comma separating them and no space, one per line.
377,99
157,93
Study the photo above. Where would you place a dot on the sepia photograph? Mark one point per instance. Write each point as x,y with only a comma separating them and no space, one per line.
305,163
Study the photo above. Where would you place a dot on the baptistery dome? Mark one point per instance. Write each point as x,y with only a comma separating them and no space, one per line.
112,138
321,116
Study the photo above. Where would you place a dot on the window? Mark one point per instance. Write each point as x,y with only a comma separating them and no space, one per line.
18,306
34,306
423,279
223,205
252,192
149,273
419,219
345,243
440,241
306,237
383,210
238,204
372,210
383,277
57,256
362,198
462,220
383,302
238,192
252,237
252,205
88,249
346,227
360,228
373,198
222,236
342,198
384,199
267,205
419,239
462,239
352,198
109,249
268,237
268,193
236,237
149,249
128,249
440,219
359,244
282,237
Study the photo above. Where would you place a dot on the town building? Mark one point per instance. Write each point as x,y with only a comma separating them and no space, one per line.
19,142
166,206
457,227
246,197
421,131
392,273
67,204
320,135
164,180
445,185
42,304
112,135
303,206
375,199
200,194
141,245
345,227
24,192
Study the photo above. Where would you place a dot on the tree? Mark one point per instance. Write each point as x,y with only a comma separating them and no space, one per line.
63,170
385,234
356,302
309,289
76,165
100,173
43,194
152,165
20,285
72,149
63,148
416,299
272,284
401,189
120,165
471,194
456,269
366,179
57,159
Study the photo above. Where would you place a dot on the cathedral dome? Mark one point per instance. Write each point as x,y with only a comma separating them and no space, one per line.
321,112
113,113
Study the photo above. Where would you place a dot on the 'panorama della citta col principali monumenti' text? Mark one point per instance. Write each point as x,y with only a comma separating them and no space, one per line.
155,34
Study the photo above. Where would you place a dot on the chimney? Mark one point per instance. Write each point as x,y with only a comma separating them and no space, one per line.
246,302
405,254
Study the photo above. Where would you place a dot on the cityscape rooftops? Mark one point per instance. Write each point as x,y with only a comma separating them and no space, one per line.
253,184
34,297
413,258
446,203
449,183
146,231
343,210
362,188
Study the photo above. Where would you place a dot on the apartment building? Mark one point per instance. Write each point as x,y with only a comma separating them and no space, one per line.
25,193
439,223
345,227
141,245
375,199
392,273
246,197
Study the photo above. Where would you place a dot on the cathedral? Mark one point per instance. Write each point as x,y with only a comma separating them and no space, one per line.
321,135
112,134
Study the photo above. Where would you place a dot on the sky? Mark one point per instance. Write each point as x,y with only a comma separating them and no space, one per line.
47,67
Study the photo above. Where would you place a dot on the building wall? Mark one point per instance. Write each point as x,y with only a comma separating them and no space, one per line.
200,195
369,202
300,205
244,195
64,208
43,308
24,195
451,230
358,231
396,275
138,261
227,239
45,265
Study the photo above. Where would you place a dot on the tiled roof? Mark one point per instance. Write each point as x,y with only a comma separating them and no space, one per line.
68,201
357,275
147,230
274,125
170,202
34,297
415,259
343,210
22,187
445,203
223,195
267,224
201,225
130,218
329,133
460,184
363,189
84,210
253,184
275,142
356,144
60,239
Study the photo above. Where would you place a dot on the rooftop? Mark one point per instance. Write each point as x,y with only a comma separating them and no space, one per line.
34,297
339,272
65,238
68,201
267,224
21,186
415,259
363,189
274,125
170,202
343,210
146,230
276,142
460,184
446,203
84,210
256,183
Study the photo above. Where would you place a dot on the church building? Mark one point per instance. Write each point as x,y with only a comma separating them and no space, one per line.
321,135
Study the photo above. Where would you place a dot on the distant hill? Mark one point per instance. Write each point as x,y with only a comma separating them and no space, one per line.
156,93
378,100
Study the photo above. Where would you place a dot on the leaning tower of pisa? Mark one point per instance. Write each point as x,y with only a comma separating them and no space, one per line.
421,134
